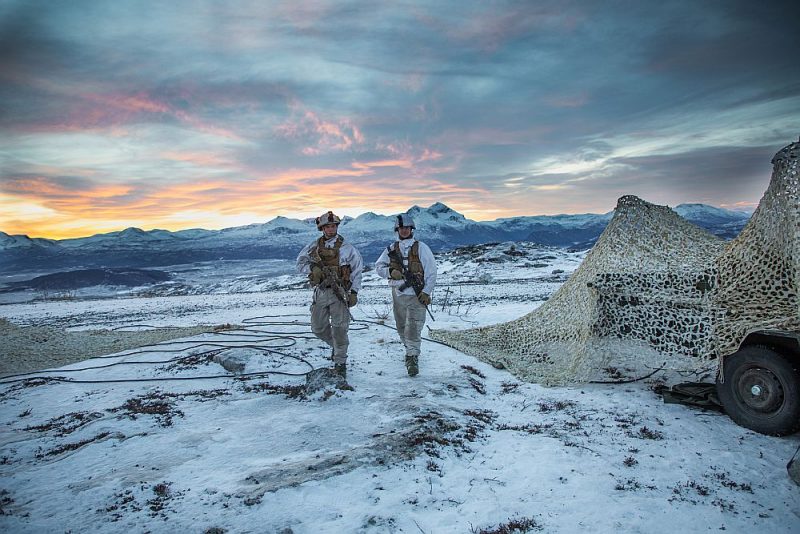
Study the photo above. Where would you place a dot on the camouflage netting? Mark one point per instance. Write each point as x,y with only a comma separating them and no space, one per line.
612,304
648,293
759,271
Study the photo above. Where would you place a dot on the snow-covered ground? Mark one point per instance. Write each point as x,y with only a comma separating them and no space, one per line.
165,440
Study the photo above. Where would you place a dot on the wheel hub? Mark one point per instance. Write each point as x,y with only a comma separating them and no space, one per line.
761,390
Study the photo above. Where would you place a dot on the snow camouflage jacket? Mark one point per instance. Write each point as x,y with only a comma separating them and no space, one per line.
348,255
425,257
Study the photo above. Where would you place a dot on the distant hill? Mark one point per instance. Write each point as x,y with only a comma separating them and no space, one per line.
720,222
281,238
92,277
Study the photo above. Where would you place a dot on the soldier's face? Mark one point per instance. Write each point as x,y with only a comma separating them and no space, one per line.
404,231
329,230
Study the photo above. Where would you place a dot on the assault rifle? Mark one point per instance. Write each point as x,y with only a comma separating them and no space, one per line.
331,275
409,280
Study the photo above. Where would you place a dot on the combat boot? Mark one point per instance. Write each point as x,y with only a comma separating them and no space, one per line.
341,370
412,365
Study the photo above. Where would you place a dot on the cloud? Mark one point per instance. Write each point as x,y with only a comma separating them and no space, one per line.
725,46
26,42
298,190
135,111
725,174
57,187
320,135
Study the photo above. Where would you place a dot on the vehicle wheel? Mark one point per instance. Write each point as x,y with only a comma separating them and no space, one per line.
761,391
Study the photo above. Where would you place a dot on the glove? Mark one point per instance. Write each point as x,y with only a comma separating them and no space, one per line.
315,276
396,275
424,299
352,299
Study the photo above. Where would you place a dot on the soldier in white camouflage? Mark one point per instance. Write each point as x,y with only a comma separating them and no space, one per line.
410,268
334,270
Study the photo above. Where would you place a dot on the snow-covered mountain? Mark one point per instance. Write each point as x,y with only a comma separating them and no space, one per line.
280,238
131,237
24,242
719,221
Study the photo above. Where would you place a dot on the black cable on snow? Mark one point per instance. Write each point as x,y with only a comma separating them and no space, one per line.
250,331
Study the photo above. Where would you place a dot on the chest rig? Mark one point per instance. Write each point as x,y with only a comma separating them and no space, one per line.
329,257
414,263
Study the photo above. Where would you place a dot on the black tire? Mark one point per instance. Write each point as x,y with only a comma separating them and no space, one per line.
761,391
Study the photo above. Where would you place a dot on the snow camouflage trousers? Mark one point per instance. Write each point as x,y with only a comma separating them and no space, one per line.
409,316
330,320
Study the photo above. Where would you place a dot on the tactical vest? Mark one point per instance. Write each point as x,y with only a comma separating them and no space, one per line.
330,259
414,263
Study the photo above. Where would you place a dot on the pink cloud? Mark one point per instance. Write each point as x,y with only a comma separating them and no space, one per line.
429,155
200,159
109,110
384,163
748,206
320,136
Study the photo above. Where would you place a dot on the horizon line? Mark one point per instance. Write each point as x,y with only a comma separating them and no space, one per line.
740,209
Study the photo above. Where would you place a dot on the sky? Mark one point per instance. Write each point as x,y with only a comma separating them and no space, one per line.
463,447
184,114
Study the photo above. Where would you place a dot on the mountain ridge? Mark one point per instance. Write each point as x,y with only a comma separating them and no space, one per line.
281,237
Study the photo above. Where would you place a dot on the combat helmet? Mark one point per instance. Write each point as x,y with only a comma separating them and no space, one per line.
327,218
403,220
